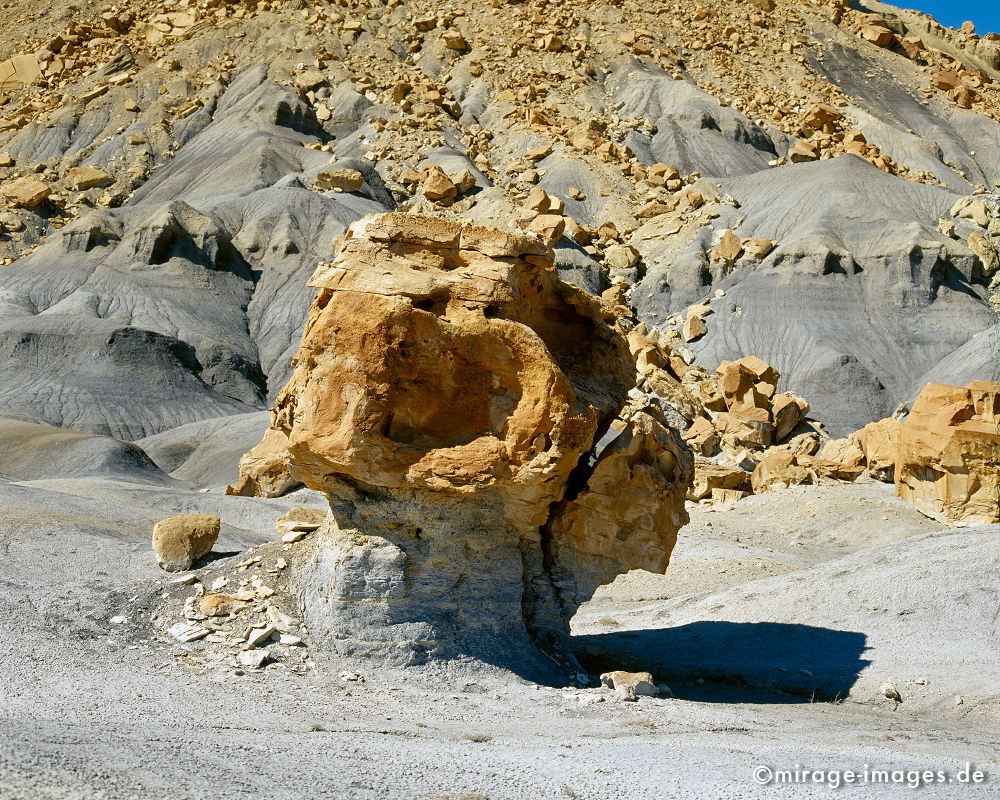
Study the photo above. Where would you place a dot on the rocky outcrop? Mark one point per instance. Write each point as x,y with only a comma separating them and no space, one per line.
447,397
949,452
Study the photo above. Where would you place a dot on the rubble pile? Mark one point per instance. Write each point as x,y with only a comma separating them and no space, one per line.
242,616
747,437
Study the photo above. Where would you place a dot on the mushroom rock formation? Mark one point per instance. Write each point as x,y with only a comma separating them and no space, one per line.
949,452
447,397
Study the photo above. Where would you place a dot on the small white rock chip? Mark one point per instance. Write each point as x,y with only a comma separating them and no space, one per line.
289,639
258,635
280,620
891,692
118,620
184,580
254,659
294,536
186,632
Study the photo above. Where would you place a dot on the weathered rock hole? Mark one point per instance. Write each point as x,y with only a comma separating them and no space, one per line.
449,392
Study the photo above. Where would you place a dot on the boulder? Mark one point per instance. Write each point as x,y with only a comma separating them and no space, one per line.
803,151
729,248
447,386
878,35
659,368
759,248
748,380
437,186
454,40
538,200
694,323
181,540
702,437
309,79
709,476
781,469
464,181
820,114
844,451
630,685
549,226
26,192
879,442
948,452
720,496
787,411
18,71
745,425
83,178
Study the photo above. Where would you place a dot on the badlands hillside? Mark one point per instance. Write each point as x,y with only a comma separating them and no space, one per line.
497,400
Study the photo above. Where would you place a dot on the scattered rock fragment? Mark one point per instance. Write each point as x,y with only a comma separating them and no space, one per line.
891,692
339,180
253,659
187,632
300,519
220,605
260,634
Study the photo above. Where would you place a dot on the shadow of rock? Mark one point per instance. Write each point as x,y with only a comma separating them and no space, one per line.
762,662
215,555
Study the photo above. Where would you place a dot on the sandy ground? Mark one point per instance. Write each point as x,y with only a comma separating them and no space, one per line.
94,709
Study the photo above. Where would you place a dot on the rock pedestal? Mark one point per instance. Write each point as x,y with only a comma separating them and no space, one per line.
446,395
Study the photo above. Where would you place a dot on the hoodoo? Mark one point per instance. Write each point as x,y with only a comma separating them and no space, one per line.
446,398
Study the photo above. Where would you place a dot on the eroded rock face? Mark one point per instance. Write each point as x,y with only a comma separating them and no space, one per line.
949,452
452,359
446,393
628,512
264,470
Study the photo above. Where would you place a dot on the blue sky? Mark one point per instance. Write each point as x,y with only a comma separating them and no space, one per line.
985,13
